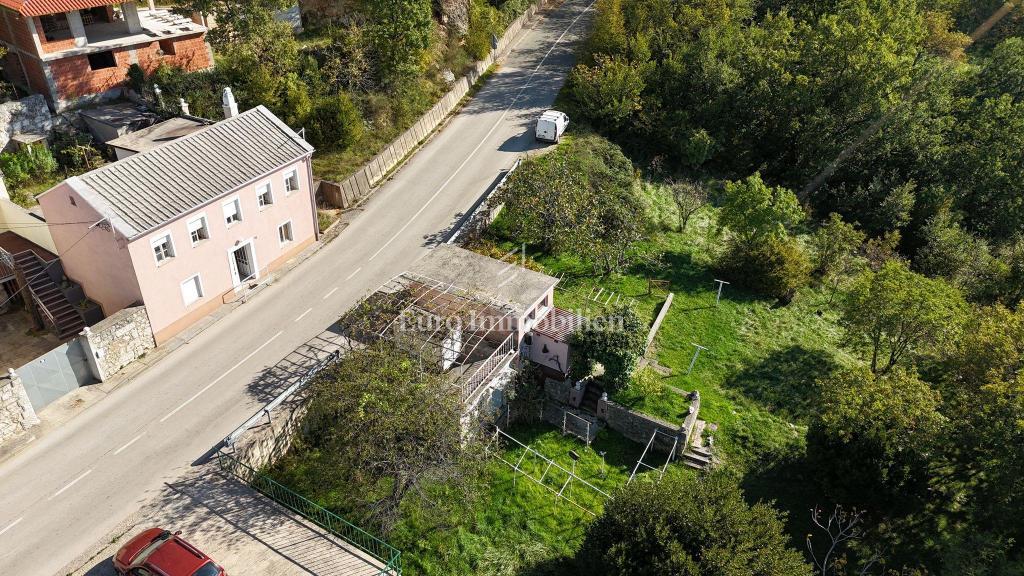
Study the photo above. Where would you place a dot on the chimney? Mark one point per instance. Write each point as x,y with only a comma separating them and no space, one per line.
230,106
183,105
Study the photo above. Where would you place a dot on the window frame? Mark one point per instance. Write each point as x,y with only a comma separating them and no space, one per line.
237,203
197,280
170,252
294,172
291,233
269,186
206,227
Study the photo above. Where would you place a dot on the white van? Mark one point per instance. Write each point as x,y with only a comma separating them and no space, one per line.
551,125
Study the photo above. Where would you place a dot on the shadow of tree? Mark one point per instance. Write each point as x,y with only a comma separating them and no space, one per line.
242,530
788,480
785,382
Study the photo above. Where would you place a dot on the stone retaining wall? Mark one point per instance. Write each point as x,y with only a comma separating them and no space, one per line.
267,442
16,412
117,341
639,427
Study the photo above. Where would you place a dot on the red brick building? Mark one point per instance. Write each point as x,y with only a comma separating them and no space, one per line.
75,50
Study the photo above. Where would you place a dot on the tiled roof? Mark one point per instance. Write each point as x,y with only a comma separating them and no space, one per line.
43,7
146,190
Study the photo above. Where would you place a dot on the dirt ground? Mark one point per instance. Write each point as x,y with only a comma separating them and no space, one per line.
19,342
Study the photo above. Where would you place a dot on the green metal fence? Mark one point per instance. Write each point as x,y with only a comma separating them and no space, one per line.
388,555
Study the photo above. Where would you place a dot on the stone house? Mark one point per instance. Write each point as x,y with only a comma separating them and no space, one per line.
72,51
190,224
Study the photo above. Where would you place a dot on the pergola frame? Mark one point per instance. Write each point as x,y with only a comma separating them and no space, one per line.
436,311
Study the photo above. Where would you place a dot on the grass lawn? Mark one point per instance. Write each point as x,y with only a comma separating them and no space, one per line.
516,526
757,377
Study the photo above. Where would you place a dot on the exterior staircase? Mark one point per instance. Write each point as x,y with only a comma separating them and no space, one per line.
53,306
697,457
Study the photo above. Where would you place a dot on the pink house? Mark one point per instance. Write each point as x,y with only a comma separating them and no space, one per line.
188,225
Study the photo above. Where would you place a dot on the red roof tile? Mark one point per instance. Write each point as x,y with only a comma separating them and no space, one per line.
43,7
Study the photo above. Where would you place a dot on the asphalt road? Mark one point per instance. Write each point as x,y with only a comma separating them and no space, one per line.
74,485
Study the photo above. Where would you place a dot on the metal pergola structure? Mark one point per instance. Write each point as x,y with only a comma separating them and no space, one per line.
447,329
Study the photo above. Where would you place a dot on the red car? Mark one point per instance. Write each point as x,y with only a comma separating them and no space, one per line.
158,552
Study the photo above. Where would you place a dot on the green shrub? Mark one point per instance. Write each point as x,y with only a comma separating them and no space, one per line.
774,267
20,167
688,525
616,341
335,123
646,383
484,21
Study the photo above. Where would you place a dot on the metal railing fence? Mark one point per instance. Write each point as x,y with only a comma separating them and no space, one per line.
380,550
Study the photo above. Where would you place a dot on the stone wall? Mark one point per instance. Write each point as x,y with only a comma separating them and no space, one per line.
639,427
16,412
26,116
117,341
266,442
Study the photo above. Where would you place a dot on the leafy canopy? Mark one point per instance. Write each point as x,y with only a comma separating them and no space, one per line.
894,314
689,526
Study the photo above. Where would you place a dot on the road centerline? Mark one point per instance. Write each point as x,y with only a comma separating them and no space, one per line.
70,484
130,442
222,376
303,315
329,294
11,525
353,274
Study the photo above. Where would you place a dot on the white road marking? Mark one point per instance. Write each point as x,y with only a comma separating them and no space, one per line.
328,295
221,377
70,484
130,442
486,136
303,315
354,272
11,525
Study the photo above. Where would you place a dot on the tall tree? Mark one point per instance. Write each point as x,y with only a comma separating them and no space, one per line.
873,436
894,314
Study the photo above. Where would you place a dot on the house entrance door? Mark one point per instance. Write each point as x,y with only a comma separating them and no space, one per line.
243,264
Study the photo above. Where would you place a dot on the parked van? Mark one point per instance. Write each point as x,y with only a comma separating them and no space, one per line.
551,125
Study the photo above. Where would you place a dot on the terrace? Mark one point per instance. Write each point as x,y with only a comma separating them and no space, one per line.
102,31
465,335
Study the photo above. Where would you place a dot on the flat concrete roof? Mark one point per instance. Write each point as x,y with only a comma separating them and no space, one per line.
157,134
475,273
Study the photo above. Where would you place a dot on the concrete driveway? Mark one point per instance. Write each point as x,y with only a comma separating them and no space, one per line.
76,484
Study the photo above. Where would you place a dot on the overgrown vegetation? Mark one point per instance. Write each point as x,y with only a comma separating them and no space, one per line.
32,170
354,85
859,155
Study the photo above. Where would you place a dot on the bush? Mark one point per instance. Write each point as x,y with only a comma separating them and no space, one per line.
484,21
688,525
335,122
75,152
616,341
774,267
27,164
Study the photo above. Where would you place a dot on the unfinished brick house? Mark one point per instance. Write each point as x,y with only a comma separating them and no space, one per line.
72,51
